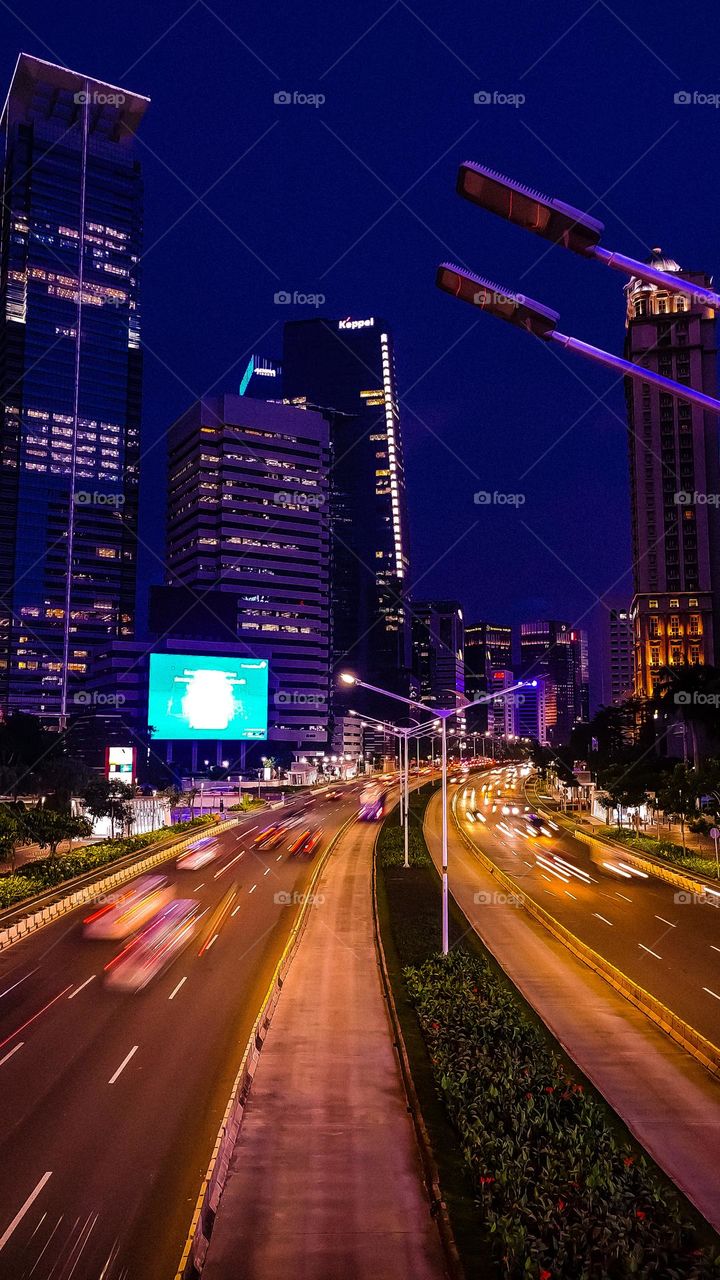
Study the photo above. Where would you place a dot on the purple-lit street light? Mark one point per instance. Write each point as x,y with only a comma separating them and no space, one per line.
541,321
562,224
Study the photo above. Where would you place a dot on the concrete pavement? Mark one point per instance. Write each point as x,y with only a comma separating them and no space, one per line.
325,1180
668,1101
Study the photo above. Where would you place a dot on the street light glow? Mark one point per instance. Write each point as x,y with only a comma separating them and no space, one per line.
347,678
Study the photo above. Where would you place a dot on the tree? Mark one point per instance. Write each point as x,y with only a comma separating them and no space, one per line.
11,835
48,828
679,796
623,787
690,695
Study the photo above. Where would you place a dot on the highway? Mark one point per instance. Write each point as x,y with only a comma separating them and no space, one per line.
110,1102
646,928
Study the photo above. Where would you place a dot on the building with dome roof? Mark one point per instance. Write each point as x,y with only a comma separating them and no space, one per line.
674,478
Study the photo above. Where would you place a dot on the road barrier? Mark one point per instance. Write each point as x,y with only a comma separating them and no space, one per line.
88,890
203,1221
703,1050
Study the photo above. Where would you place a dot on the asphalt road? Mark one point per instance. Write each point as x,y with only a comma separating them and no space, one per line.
646,928
110,1102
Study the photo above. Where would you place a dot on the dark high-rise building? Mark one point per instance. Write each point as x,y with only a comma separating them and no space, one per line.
345,369
620,637
559,653
674,479
488,648
70,379
248,516
438,648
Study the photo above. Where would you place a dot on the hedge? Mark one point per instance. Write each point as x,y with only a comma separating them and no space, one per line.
45,873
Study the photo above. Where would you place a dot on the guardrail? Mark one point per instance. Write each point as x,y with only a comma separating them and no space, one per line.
101,883
203,1221
703,1050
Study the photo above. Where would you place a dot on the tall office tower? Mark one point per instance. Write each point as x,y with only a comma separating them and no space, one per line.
674,477
559,653
488,648
620,638
248,516
438,648
502,710
346,369
531,701
70,380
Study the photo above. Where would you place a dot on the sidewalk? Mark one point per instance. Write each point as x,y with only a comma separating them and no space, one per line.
325,1180
667,1100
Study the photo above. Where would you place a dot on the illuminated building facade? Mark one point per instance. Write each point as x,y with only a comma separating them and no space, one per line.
558,653
438,652
345,368
621,649
248,516
70,380
674,479
488,648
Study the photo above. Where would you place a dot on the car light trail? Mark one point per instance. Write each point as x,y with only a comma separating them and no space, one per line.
23,1210
12,1051
7,990
611,866
35,1016
633,871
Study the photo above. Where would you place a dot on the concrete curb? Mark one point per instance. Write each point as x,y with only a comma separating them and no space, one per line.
107,881
206,1206
431,1174
704,1052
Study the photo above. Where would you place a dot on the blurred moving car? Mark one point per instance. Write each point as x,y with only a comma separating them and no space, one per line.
372,803
306,842
155,947
130,908
199,855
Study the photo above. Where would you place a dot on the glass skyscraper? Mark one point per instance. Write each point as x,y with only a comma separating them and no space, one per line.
70,380
345,368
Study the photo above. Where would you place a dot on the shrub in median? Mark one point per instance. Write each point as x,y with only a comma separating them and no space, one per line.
560,1195
45,873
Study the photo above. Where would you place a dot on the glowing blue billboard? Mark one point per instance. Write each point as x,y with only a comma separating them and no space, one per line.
201,697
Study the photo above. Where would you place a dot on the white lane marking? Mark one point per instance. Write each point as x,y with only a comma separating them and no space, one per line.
527,864
199,886
597,913
279,858
7,990
266,872
712,948
669,923
229,864
234,913
570,895
649,951
21,1212
212,940
711,993
12,1051
174,992
247,830
77,991
124,1063
622,895
253,889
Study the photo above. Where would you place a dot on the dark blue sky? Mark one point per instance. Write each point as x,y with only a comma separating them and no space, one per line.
355,199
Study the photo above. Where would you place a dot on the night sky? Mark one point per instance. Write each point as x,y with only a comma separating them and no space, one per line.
354,199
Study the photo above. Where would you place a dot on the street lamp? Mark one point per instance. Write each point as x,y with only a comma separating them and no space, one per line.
403,735
562,224
443,715
540,321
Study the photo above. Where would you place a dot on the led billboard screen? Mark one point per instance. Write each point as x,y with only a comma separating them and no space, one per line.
201,697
